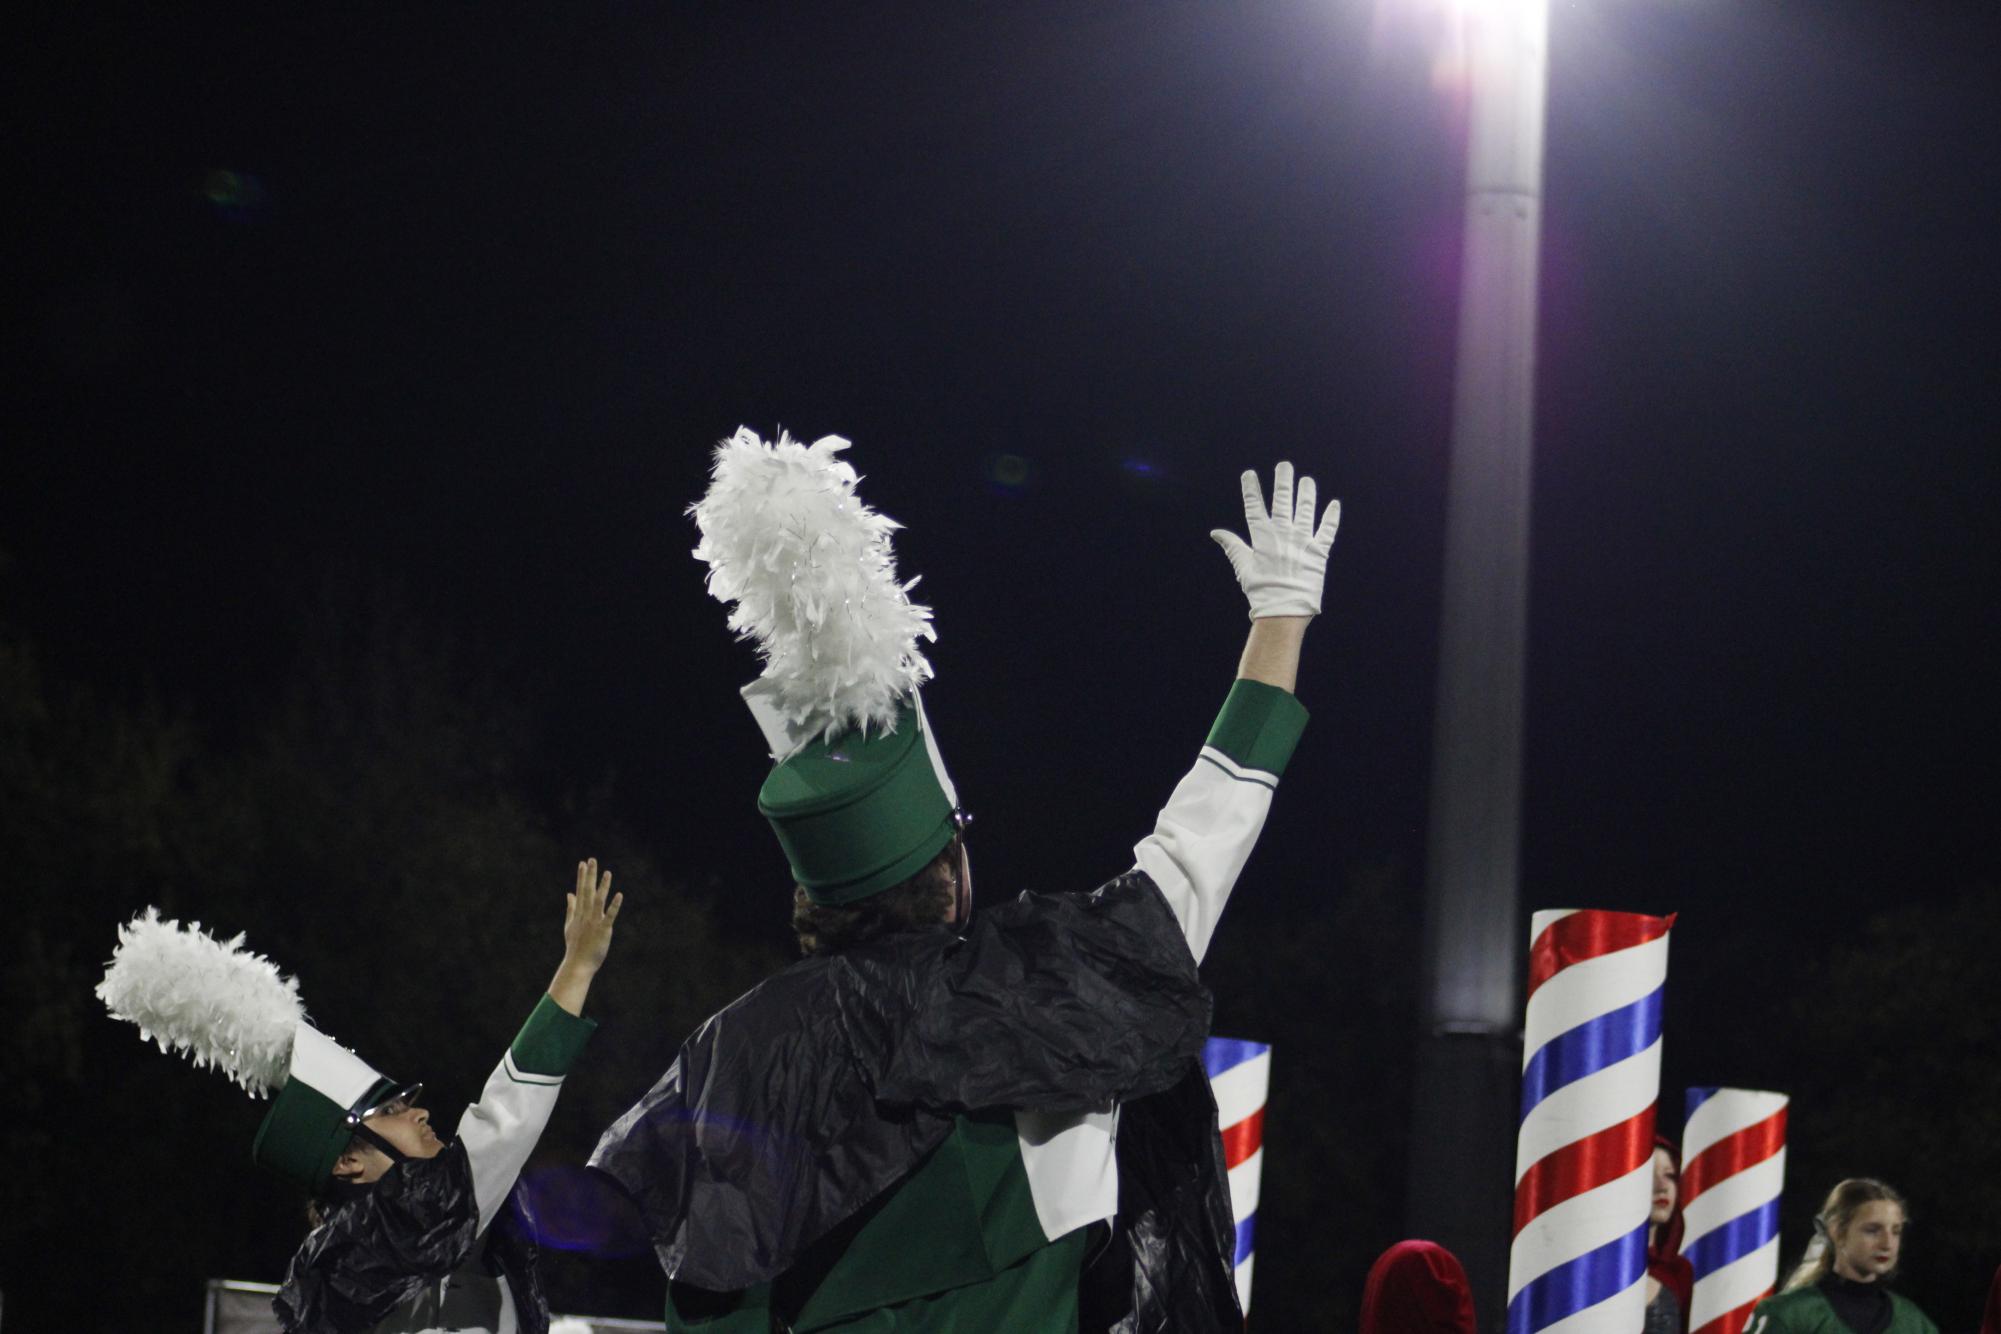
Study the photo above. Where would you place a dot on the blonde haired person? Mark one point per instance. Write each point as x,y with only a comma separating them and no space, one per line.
1840,1283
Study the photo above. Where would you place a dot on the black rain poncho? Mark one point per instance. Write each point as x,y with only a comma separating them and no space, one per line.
416,1225
829,1083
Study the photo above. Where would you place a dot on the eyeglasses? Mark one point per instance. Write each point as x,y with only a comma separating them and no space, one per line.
396,1106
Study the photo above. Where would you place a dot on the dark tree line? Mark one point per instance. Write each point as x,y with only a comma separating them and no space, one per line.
376,822
1890,1044
374,831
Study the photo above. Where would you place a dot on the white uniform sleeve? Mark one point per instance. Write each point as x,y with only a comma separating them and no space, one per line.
1198,846
500,1130
1205,833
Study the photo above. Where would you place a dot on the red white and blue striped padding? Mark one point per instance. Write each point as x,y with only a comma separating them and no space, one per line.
1584,1153
1733,1164
1239,1074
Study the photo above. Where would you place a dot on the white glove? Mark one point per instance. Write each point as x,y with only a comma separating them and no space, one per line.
1284,564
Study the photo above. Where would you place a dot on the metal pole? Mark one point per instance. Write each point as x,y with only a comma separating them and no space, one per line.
1468,1066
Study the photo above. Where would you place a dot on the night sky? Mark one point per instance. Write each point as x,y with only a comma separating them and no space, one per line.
459,301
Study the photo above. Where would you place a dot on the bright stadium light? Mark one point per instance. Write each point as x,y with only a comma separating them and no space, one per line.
1468,1063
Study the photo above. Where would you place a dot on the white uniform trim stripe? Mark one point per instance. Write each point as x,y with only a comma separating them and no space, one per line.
1615,1094
1744,1279
520,1076
1242,772
1579,1225
1733,1197
1073,1174
1595,987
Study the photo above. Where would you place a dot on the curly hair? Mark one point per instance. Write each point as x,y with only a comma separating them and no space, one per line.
925,899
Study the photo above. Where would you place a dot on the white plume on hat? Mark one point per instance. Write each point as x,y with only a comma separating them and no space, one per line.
812,575
219,1004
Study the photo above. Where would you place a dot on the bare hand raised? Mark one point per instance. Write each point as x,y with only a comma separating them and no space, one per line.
588,919
589,916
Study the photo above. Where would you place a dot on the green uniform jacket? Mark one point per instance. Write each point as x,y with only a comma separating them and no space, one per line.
418,1250
1006,1129
1805,1311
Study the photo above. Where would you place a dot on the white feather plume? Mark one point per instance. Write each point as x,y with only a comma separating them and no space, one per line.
812,575
213,1000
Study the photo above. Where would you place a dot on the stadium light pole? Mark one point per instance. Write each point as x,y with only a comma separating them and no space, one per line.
1468,1065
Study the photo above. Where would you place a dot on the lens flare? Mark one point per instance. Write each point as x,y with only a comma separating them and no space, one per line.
1009,474
235,196
574,1209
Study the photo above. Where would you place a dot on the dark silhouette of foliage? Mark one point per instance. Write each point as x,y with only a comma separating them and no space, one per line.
1895,1032
378,835
1333,993
385,827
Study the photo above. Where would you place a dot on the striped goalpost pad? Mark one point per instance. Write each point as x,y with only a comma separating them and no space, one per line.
1591,1065
1239,1075
1733,1164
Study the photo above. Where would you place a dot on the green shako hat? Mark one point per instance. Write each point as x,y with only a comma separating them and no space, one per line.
313,1118
859,797
228,1008
861,812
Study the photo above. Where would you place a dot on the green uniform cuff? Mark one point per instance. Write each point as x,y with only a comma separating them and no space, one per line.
548,1044
1259,726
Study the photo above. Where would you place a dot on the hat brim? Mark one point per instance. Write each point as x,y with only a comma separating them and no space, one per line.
383,1094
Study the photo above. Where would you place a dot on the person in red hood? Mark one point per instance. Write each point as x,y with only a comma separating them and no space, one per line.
1670,1278
1417,1287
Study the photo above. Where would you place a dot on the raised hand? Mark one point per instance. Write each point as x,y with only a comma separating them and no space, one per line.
1283,566
589,916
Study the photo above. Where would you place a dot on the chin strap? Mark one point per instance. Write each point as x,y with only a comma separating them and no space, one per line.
396,1155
